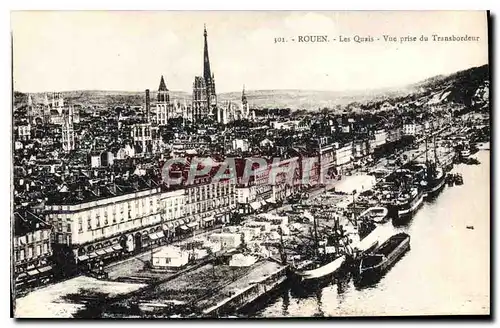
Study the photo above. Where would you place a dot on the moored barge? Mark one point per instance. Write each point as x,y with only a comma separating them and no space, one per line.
374,265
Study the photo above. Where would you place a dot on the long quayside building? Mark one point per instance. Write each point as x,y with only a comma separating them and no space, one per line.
112,221
90,230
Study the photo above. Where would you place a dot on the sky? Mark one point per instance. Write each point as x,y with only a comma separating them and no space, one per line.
129,51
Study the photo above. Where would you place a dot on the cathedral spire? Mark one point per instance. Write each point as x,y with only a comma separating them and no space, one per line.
207,75
243,96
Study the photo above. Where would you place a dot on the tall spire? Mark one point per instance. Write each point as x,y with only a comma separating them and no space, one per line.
243,96
206,61
163,86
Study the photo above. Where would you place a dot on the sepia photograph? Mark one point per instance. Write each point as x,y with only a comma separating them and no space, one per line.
250,164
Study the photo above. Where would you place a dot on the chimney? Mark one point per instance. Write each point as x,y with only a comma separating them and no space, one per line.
147,104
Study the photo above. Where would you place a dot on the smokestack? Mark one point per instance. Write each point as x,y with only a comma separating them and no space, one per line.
147,104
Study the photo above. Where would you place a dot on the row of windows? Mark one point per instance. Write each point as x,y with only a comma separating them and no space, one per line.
206,192
124,226
30,237
124,214
207,206
138,132
62,238
202,197
212,186
32,252
124,206
174,201
105,221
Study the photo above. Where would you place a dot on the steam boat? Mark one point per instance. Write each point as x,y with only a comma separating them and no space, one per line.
408,202
434,182
435,177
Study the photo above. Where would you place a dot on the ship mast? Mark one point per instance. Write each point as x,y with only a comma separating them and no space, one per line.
436,159
282,247
354,208
426,149
316,243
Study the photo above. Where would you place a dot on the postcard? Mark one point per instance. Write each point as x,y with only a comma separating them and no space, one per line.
250,164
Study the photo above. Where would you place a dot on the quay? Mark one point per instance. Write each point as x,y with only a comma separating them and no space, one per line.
204,290
258,283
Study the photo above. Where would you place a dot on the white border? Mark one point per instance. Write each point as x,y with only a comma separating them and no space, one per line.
5,116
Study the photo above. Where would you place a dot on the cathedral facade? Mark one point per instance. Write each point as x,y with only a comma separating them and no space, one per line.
53,111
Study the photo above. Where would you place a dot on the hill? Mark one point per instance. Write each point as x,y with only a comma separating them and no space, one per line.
469,87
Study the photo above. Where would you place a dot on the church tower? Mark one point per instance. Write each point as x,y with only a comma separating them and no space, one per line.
204,102
163,103
244,105
31,113
46,110
163,95
200,104
68,132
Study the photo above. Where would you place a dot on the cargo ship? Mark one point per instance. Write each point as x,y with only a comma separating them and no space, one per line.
373,266
330,257
407,203
435,177
434,182
324,274
402,194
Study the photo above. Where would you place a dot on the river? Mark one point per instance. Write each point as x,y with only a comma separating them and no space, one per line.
447,270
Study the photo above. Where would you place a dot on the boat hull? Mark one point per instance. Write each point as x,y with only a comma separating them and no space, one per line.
375,214
374,273
405,211
302,282
435,188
